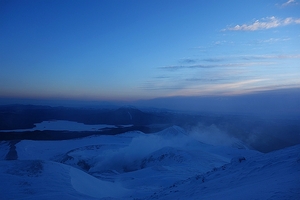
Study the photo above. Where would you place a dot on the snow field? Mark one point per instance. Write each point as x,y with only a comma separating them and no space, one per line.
170,164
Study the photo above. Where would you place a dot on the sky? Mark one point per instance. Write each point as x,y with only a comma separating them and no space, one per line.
136,50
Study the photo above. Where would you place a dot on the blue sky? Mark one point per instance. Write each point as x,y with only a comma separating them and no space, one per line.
131,50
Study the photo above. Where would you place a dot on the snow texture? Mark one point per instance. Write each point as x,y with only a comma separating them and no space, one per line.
170,164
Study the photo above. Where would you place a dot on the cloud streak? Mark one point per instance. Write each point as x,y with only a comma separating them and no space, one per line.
243,64
222,83
265,23
187,60
289,2
249,57
207,80
228,88
267,56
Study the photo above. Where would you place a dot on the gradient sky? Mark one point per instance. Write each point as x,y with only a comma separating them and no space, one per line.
130,50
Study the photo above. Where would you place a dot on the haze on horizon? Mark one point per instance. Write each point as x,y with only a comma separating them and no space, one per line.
139,50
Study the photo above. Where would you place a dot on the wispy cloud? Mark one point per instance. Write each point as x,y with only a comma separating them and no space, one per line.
250,57
265,23
225,82
187,60
270,56
213,79
162,77
289,2
273,40
230,88
163,85
177,67
217,59
242,64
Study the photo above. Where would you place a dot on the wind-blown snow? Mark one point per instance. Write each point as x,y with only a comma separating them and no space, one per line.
170,164
213,135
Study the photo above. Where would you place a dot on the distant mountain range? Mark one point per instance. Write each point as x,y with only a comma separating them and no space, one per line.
259,133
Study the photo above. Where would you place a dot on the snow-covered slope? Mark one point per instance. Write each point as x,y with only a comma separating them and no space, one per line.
37,179
170,164
269,176
4,149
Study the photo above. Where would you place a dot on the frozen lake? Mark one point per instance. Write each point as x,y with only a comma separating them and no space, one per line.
63,125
